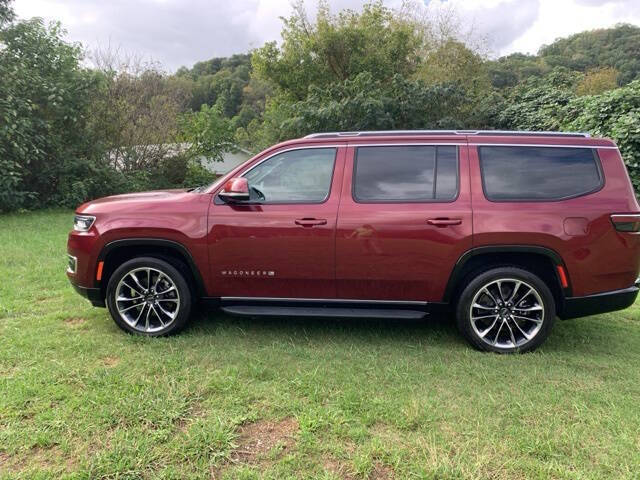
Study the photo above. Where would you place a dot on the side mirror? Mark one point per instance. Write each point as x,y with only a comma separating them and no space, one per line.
235,190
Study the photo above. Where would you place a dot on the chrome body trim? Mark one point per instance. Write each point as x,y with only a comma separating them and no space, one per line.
625,215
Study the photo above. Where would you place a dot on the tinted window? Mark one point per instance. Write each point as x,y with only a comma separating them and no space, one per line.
406,173
538,173
298,176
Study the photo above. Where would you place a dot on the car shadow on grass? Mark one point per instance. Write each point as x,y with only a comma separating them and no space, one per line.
432,329
591,335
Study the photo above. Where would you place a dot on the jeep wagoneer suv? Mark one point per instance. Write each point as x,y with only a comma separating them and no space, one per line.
508,230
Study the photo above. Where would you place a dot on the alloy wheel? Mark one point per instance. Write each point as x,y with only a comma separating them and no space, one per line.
147,299
507,313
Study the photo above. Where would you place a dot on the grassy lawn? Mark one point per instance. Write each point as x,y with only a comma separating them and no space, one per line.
296,398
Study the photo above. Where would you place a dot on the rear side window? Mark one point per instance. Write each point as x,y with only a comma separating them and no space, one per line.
406,174
511,173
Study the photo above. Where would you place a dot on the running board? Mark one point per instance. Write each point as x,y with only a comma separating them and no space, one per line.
340,312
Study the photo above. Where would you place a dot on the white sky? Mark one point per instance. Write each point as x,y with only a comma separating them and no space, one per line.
181,32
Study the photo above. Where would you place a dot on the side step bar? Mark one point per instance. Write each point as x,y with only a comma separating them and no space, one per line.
340,312
337,308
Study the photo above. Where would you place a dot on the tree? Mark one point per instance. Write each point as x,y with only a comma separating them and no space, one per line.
338,47
137,113
45,149
219,80
510,70
208,133
616,47
6,12
453,63
365,103
614,114
598,81
539,103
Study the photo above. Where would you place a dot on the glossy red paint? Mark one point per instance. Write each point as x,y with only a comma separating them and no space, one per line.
599,258
341,249
390,251
175,215
284,250
236,185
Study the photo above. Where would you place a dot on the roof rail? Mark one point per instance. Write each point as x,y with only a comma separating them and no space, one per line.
391,133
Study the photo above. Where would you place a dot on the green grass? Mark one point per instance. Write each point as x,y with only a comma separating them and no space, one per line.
296,398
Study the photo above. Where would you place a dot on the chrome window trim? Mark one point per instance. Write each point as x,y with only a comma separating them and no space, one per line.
597,163
347,144
406,200
540,145
408,144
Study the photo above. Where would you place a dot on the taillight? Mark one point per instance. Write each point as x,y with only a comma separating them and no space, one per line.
626,222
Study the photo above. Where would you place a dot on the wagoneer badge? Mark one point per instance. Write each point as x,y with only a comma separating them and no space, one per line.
249,273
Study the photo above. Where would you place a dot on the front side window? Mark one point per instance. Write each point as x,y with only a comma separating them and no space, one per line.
406,174
519,173
296,176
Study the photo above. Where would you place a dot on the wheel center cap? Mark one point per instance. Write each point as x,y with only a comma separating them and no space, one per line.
505,311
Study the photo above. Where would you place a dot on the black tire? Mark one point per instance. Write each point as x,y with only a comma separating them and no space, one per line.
177,301
520,317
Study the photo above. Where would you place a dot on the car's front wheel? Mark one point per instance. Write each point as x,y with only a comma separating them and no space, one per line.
506,310
149,296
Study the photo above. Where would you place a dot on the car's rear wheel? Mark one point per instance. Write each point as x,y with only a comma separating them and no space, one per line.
506,310
149,296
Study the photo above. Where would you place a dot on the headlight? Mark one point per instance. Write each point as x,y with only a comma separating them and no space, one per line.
82,223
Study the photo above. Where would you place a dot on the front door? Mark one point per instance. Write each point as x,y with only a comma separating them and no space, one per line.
283,244
404,220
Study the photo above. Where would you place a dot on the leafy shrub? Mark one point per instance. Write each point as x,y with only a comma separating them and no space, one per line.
614,114
44,97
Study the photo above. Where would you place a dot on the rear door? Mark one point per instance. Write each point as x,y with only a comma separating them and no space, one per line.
404,220
283,247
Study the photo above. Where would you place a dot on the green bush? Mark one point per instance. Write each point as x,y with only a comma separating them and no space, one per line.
614,114
44,97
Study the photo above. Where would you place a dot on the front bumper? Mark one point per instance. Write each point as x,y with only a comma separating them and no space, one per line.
575,307
92,294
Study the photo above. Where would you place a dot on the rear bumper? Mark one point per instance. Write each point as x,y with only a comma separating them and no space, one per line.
92,294
575,307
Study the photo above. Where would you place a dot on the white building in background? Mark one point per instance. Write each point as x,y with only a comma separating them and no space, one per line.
230,161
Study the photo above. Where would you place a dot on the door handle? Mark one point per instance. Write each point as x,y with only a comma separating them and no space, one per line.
310,222
444,222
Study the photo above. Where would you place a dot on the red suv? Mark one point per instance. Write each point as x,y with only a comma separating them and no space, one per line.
506,229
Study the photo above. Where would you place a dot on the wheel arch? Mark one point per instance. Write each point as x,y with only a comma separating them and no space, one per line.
541,261
116,252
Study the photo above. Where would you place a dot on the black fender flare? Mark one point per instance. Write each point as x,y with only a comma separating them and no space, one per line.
456,273
158,242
